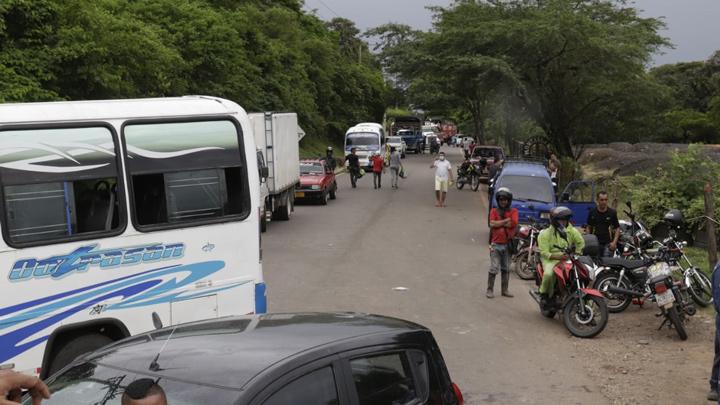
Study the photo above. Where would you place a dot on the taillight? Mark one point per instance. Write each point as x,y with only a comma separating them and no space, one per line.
660,288
458,394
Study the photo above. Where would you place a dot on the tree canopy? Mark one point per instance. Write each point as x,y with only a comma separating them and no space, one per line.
263,54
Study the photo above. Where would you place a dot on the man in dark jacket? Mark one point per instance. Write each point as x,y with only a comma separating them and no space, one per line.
329,158
353,164
713,395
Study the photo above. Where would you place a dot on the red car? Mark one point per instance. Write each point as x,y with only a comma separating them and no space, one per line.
485,155
317,181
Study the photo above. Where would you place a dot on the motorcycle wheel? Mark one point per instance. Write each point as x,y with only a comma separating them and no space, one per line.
523,268
459,184
475,182
700,289
615,302
593,324
674,317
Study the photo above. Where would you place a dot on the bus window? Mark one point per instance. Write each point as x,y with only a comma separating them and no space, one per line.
186,172
58,183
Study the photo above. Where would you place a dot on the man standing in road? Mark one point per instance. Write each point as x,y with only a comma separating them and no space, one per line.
378,169
493,169
443,176
395,166
553,167
467,141
503,220
713,394
329,158
602,222
353,165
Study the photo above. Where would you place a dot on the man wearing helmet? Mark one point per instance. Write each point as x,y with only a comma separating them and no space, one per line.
329,158
551,256
503,220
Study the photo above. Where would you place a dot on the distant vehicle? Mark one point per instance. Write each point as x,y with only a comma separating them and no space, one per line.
398,143
410,129
317,181
368,139
460,138
531,185
485,155
271,359
449,129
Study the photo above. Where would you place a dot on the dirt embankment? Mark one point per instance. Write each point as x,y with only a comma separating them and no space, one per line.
628,159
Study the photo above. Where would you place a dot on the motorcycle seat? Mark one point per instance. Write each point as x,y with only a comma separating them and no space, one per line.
614,262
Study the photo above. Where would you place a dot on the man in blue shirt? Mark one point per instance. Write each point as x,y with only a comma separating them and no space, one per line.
713,395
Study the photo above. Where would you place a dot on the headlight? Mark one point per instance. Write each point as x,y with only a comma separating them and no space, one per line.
544,215
315,187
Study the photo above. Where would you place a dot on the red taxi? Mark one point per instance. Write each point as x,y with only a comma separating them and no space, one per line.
317,181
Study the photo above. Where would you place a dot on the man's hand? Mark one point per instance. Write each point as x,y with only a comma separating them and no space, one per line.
12,383
612,245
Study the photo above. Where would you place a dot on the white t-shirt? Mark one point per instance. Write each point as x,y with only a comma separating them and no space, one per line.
441,169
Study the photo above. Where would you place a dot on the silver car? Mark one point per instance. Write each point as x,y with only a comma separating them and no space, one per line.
398,144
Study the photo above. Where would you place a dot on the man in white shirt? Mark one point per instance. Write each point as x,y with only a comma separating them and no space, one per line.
443,178
466,146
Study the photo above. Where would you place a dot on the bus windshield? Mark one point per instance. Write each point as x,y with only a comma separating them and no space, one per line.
363,140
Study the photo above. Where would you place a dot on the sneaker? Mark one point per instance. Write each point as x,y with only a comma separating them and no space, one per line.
443,204
713,395
437,204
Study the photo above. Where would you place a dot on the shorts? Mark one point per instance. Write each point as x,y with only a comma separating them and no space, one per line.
441,184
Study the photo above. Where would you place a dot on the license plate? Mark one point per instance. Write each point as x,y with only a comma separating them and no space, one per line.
664,298
299,194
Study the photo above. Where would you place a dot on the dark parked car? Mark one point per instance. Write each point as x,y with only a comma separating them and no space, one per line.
269,359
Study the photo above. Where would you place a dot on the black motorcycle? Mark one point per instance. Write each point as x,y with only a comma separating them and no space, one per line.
467,174
434,147
622,274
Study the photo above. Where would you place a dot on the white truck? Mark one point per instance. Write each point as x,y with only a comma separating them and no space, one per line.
277,136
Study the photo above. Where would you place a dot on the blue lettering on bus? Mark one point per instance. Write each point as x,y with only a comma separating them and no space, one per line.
83,258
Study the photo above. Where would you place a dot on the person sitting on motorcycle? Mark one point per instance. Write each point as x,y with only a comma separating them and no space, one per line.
551,256
434,147
464,168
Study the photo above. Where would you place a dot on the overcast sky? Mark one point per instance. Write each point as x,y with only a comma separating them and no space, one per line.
692,25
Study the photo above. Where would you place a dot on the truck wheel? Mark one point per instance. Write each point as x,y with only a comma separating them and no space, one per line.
333,192
324,197
283,213
74,348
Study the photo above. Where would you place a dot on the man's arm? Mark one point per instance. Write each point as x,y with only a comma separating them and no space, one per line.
496,221
616,225
513,219
432,165
579,241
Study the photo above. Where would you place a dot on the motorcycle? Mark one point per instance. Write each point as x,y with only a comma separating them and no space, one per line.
635,237
696,282
623,274
466,174
585,313
434,148
528,252
670,296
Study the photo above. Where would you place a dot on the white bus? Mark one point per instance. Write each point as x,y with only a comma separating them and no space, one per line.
112,210
367,138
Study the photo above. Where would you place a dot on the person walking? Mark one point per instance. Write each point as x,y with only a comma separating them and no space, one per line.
353,164
553,167
503,220
602,222
395,166
443,176
378,169
467,141
713,395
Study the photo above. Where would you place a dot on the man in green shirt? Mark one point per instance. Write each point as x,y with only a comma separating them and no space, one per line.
551,256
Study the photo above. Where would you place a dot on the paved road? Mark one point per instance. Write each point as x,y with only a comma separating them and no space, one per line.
350,254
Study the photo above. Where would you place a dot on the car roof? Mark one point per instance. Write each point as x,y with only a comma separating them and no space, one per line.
232,351
524,169
488,147
312,160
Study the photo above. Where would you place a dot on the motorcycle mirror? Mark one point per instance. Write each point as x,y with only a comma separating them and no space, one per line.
629,205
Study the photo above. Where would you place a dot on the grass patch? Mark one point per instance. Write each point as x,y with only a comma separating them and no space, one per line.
312,146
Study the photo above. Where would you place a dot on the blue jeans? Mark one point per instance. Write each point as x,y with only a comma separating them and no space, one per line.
716,360
499,258
605,251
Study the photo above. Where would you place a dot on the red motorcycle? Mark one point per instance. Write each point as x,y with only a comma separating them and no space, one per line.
585,312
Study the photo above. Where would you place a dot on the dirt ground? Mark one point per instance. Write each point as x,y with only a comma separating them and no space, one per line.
635,363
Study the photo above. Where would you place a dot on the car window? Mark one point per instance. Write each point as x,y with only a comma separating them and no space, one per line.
317,387
384,379
311,168
528,188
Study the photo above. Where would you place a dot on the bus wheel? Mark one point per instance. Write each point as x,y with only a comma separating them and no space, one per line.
73,348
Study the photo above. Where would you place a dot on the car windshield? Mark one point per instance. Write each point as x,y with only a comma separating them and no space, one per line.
311,168
90,383
486,152
528,188
366,140
394,140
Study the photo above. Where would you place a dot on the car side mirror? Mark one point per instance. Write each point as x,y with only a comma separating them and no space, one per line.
565,197
157,323
264,172
629,205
